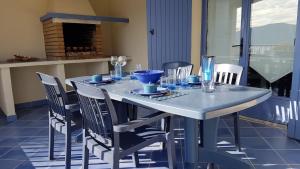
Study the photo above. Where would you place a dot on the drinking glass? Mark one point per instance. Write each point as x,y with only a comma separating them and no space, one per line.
113,60
122,60
112,74
172,73
164,82
132,76
208,64
138,67
171,83
183,78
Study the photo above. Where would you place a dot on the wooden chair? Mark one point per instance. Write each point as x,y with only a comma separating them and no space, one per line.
184,71
64,114
110,140
175,65
230,74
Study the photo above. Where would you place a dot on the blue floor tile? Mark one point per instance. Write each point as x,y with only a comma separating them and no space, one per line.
12,142
9,164
271,166
246,132
224,132
26,165
263,157
291,156
19,132
254,143
19,153
242,123
271,132
294,166
4,150
283,143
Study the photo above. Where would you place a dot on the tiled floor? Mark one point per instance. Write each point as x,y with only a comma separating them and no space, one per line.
24,145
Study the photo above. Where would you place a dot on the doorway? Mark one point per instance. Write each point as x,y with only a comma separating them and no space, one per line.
259,35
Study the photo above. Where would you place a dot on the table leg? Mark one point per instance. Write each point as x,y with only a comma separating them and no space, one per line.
208,150
191,128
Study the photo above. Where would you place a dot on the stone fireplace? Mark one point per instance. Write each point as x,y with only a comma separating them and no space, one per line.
72,39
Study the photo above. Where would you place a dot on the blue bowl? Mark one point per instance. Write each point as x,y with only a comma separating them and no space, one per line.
148,76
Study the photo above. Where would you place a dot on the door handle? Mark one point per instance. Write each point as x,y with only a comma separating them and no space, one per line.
241,45
151,31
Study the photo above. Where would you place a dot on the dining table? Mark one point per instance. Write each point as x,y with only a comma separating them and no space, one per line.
194,105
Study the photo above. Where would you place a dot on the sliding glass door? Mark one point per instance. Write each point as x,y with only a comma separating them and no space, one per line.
273,34
272,45
259,35
223,30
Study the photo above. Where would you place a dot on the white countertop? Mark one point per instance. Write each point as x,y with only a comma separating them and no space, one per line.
52,62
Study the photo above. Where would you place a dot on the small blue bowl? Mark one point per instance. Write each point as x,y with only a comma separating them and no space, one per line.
96,78
148,76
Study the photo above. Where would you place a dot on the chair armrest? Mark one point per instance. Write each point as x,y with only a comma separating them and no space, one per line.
71,92
72,107
125,127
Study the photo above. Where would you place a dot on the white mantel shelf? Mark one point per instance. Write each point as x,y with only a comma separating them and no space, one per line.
52,62
19,83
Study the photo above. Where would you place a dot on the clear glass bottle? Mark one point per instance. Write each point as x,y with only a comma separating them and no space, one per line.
208,66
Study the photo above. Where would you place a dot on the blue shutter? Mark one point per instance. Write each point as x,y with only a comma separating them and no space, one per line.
171,40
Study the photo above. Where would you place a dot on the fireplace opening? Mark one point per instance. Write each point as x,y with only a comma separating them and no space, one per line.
79,39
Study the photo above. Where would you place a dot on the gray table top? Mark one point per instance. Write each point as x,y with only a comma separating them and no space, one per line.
195,104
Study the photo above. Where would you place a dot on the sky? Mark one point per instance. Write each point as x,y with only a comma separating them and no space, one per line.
274,11
267,12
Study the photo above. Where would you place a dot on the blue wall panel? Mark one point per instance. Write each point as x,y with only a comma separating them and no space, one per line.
170,24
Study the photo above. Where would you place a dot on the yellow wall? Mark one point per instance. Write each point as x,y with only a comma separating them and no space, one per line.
81,7
196,34
101,8
21,31
130,39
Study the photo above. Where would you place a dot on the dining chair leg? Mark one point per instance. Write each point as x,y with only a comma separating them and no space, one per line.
68,147
237,131
171,145
116,151
210,166
135,158
166,127
85,161
51,142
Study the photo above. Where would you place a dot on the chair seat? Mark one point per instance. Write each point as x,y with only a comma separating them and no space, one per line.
61,127
128,140
141,134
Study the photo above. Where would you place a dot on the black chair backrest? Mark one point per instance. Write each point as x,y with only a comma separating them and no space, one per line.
56,96
174,65
99,114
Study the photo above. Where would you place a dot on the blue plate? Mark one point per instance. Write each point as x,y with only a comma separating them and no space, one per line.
195,83
142,93
100,82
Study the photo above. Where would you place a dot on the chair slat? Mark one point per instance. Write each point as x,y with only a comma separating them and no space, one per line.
231,78
230,71
226,77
